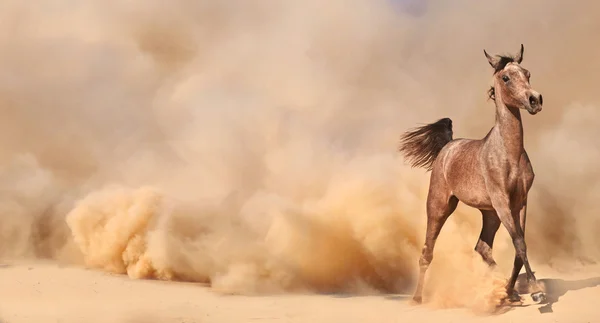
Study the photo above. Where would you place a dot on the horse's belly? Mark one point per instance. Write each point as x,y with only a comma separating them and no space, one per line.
474,196
482,202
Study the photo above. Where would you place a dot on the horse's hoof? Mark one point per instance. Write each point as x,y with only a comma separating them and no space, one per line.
538,297
514,297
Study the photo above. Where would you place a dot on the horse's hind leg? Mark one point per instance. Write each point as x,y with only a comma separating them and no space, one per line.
440,204
491,224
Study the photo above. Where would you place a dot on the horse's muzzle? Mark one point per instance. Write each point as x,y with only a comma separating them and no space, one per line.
535,103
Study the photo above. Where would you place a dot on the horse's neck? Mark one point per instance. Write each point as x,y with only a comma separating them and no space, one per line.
509,130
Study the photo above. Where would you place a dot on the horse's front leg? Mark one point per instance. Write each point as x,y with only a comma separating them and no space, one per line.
518,263
514,222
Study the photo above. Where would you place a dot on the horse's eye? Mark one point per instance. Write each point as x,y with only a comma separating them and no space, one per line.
505,78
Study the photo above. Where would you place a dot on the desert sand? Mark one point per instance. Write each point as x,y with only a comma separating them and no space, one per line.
236,161
51,293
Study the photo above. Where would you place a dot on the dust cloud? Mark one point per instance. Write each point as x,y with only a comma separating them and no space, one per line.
252,145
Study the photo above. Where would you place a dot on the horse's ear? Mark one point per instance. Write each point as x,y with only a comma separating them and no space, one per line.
492,60
519,57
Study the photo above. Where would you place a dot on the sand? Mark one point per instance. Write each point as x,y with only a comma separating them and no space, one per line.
51,293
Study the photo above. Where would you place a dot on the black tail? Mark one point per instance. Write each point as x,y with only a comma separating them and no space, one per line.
421,146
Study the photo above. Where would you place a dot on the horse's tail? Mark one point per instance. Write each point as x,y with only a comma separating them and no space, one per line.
421,146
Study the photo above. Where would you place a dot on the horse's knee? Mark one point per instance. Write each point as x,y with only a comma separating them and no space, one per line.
520,248
483,249
424,263
426,258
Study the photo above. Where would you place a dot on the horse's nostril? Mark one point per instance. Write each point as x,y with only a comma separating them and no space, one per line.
532,100
541,100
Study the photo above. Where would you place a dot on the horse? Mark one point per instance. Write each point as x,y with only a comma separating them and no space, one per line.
493,174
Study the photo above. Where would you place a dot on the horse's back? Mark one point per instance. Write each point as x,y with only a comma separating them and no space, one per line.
460,153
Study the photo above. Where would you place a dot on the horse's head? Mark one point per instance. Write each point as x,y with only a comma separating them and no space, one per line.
511,80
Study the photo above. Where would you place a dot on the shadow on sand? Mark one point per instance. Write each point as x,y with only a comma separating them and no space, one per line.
555,288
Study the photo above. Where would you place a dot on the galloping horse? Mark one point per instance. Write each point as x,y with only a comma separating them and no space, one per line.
492,174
